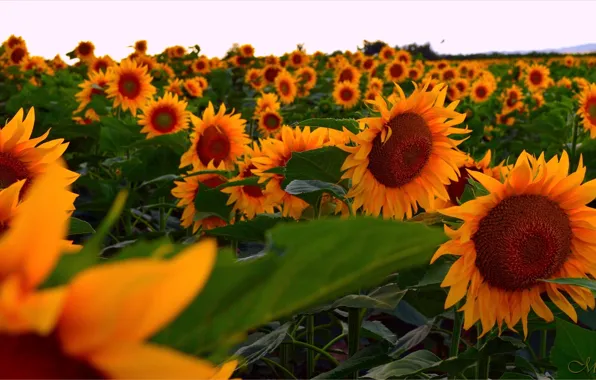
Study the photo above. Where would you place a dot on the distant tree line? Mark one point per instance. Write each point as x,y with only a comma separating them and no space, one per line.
425,51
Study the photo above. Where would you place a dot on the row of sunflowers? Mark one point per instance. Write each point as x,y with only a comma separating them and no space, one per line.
311,215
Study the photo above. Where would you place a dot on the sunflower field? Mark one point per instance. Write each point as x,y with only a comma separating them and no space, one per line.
329,216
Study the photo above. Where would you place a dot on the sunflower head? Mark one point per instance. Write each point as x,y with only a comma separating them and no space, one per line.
84,50
347,73
297,59
217,139
587,109
164,116
270,122
193,88
129,85
387,53
346,94
481,90
532,225
285,85
141,46
247,50
254,77
396,71
537,77
403,157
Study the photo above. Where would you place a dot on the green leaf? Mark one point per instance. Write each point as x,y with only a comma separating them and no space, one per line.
249,230
384,298
370,356
378,330
79,227
116,135
311,191
409,365
323,164
307,264
583,282
411,339
250,181
574,352
263,346
209,202
338,124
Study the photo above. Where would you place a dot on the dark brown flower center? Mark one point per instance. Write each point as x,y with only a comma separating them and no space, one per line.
214,145
31,356
396,70
448,74
346,75
271,73
84,49
17,55
284,88
271,121
129,85
403,156
536,77
521,240
164,119
481,92
11,170
346,94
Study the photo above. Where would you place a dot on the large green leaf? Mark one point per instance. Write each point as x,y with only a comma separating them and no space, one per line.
323,164
383,298
574,352
307,264
79,227
409,365
312,191
370,356
264,345
212,202
338,124
249,230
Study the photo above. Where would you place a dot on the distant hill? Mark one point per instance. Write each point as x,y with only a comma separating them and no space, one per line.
579,49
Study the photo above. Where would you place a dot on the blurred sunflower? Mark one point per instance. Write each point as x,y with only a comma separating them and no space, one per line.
164,116
249,200
175,86
12,41
285,86
200,65
129,85
21,158
462,85
414,73
371,94
84,50
405,157
396,72
187,191
17,54
98,64
387,53
512,99
270,123
247,50
141,47
58,63
255,79
216,138
276,153
96,85
565,82
453,93
347,73
89,117
538,98
297,59
481,90
404,56
535,225
272,60
505,118
193,88
307,77
266,101
369,64
587,109
270,73
448,74
375,84
346,94
537,77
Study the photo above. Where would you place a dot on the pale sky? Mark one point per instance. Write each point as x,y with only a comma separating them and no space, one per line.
276,26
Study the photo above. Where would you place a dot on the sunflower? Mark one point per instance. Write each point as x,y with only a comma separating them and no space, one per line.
538,98
21,158
347,73
537,77
129,85
346,94
270,123
587,109
270,73
404,56
481,90
533,226
90,117
442,64
505,118
307,77
453,93
187,191
272,60
193,88
98,64
200,65
375,84
175,51
449,73
371,94
249,199
13,41
247,50
94,86
569,61
56,333
276,153
369,64
164,116
175,86
285,85
58,63
565,82
141,47
462,85
396,71
216,138
404,157
297,59
255,79
414,73
387,53
512,99
266,101
202,82
84,51
17,54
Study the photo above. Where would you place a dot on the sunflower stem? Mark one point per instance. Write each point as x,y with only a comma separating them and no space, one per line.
574,142
543,337
482,366
455,337
162,216
354,322
310,339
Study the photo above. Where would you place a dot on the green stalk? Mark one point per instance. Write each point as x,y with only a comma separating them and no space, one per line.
313,348
277,365
354,322
574,143
482,366
310,339
331,343
543,337
455,337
